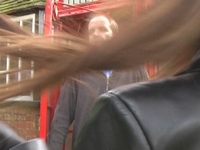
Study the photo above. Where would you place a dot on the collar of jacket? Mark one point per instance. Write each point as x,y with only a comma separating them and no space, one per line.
194,66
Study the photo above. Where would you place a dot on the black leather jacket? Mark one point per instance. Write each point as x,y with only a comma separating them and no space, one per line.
158,115
9,140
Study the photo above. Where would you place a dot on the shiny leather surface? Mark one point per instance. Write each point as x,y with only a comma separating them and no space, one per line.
158,115
8,138
35,144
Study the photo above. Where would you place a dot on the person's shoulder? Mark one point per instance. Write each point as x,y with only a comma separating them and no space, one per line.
153,89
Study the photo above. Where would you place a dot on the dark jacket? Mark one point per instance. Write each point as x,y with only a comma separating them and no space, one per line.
78,96
158,115
9,140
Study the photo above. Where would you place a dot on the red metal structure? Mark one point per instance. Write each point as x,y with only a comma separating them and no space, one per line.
57,14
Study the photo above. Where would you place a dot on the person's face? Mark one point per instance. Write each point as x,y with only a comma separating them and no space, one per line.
99,30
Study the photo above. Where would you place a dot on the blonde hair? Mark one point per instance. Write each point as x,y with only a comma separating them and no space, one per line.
168,32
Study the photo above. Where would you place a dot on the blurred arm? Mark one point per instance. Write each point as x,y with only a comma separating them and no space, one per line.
64,116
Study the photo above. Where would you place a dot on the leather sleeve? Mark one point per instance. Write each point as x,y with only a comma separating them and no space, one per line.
8,138
111,126
34,144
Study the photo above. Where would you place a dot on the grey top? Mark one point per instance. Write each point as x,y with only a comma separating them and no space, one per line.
77,98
